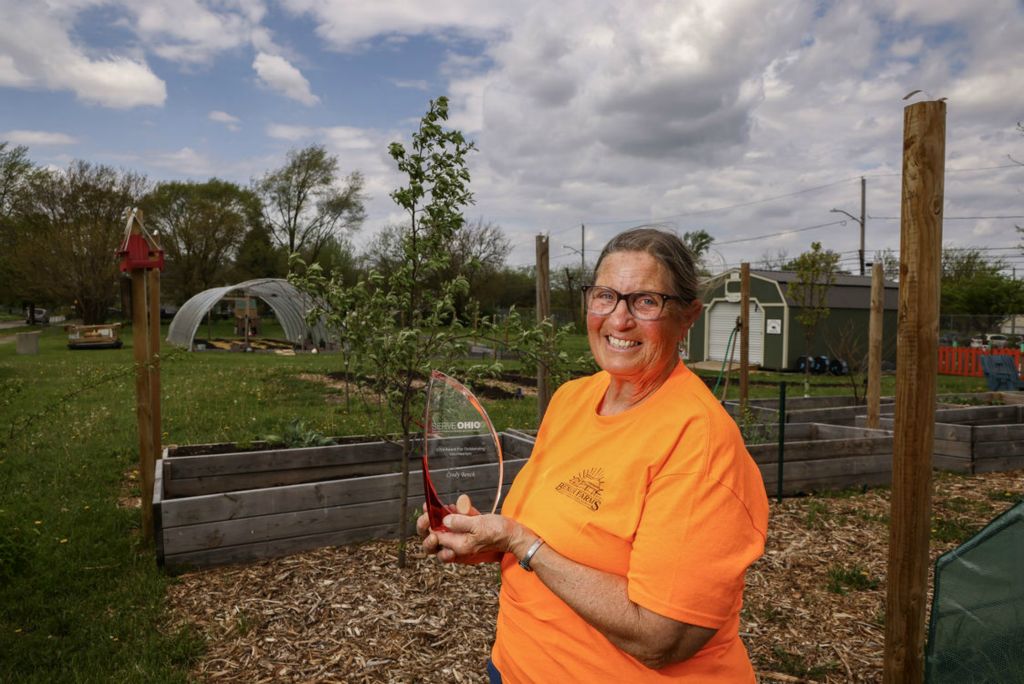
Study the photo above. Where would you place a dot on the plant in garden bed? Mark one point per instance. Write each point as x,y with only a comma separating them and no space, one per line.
840,579
400,325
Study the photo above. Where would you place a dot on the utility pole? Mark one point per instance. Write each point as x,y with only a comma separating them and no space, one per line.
543,312
860,221
863,217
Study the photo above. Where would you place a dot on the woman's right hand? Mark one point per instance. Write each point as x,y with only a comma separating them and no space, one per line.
432,546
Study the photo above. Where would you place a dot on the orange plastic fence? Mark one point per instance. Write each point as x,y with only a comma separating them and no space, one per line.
967,360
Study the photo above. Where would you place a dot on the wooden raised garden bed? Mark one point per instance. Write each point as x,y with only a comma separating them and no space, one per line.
819,457
835,410
977,439
220,506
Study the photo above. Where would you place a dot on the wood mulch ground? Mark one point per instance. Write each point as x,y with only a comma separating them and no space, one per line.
814,607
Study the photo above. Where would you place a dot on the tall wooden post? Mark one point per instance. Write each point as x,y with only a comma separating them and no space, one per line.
924,145
153,288
874,397
744,336
543,313
142,258
143,397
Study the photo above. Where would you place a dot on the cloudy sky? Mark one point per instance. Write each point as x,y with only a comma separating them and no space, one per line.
750,119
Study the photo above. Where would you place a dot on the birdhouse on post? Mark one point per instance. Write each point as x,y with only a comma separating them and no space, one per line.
139,250
142,258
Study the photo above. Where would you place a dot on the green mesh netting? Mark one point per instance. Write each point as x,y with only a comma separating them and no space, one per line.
976,634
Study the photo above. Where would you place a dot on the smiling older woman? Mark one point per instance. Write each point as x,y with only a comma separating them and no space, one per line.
625,540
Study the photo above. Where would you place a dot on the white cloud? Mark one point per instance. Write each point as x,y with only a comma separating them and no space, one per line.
34,138
289,132
279,75
416,84
345,24
36,51
190,31
186,161
223,117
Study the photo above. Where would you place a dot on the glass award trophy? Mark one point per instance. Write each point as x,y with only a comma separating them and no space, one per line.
461,451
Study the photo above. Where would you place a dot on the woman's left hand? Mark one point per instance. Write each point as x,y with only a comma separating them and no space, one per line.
478,538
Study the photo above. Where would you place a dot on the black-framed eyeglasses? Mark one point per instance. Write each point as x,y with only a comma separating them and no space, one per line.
643,306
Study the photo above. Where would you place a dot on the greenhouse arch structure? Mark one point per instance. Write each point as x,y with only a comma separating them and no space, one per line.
288,303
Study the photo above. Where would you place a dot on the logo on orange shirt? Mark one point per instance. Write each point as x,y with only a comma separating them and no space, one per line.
584,488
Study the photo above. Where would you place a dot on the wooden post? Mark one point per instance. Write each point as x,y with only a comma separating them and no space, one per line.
874,397
924,143
153,362
543,313
744,336
143,398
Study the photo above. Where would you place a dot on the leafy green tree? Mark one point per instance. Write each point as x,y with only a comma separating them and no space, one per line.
476,252
201,227
259,257
699,242
69,231
816,273
507,287
975,291
16,175
304,205
403,324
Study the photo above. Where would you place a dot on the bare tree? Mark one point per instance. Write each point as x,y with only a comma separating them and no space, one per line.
303,204
773,261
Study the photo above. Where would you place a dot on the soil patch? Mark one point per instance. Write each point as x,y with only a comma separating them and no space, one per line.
814,604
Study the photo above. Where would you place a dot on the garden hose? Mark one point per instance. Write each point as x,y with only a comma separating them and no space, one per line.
728,355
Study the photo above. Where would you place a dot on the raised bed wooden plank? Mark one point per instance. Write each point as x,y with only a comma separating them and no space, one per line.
813,451
281,459
983,450
828,468
822,483
998,465
286,525
243,504
176,487
980,415
951,463
246,553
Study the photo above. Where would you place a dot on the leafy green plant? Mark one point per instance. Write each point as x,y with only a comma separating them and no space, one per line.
854,577
816,272
817,512
401,324
297,434
950,530
753,430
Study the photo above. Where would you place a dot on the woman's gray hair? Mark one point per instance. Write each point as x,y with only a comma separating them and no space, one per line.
667,248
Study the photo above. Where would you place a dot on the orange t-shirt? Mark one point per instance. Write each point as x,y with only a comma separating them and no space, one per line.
665,495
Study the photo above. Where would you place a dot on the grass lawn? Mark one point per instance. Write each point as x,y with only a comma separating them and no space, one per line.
81,599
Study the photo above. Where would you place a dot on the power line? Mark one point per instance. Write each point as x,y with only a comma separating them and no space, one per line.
949,218
727,207
784,232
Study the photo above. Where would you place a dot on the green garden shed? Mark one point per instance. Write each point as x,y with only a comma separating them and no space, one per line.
777,338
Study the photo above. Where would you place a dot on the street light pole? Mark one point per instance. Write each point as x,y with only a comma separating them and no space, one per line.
860,222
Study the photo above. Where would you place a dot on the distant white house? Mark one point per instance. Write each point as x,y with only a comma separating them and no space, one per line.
1014,325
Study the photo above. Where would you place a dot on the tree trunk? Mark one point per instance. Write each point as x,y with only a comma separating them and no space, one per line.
403,504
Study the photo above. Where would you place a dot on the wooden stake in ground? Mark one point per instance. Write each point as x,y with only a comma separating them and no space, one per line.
924,146
875,345
543,312
153,291
139,254
744,336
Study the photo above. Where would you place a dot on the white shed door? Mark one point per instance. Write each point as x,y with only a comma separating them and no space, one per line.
721,321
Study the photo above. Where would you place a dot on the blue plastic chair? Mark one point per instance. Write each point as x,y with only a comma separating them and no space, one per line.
1001,373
